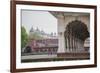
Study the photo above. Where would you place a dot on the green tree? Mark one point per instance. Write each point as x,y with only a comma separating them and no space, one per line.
24,37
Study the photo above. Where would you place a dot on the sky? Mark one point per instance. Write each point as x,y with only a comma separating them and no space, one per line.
39,19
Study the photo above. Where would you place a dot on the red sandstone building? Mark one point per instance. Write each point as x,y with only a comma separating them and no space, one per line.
44,46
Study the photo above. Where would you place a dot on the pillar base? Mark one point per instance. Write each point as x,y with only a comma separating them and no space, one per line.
74,55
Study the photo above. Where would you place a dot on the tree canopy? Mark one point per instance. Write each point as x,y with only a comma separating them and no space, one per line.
24,37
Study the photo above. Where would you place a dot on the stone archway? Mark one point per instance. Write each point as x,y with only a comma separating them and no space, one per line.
28,49
63,20
75,34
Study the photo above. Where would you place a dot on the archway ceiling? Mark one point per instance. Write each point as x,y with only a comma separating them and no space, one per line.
56,13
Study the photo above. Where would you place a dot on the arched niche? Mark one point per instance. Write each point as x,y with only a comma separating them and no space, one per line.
75,34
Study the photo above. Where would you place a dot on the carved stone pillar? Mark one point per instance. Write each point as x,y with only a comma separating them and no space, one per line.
61,27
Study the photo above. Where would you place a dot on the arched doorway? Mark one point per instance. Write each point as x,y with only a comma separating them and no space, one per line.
75,34
28,49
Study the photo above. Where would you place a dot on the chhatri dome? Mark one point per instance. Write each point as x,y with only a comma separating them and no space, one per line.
32,29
